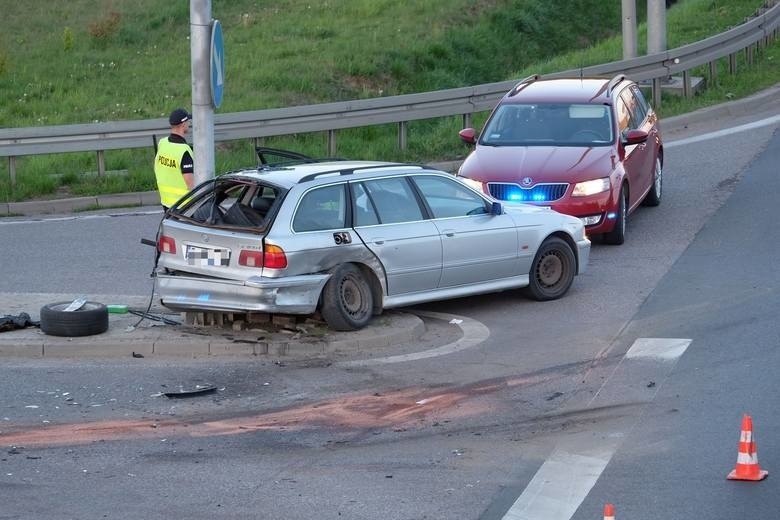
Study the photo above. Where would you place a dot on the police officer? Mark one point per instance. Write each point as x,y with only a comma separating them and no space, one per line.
173,164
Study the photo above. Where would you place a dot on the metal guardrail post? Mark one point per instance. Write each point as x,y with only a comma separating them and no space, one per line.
402,135
749,54
687,91
101,163
657,93
713,73
733,63
12,170
258,142
332,143
466,121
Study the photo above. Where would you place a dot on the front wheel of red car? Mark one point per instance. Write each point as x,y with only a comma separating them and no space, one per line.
552,271
347,301
618,234
653,197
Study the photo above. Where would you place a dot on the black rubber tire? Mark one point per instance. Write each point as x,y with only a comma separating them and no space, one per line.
346,300
552,271
618,234
653,197
90,319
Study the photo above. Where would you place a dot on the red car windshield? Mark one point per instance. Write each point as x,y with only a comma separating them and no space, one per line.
549,125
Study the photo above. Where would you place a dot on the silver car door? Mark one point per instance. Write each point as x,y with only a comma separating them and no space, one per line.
390,221
476,245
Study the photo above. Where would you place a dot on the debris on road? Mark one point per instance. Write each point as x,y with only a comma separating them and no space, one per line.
197,390
20,321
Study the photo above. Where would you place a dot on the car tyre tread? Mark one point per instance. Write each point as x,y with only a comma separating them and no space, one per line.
90,319
333,308
536,288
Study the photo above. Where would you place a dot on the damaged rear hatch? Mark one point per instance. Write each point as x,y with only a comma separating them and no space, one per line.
211,246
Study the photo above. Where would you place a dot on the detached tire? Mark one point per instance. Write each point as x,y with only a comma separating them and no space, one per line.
347,302
90,319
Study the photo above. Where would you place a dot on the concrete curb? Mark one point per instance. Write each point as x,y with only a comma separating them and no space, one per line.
391,328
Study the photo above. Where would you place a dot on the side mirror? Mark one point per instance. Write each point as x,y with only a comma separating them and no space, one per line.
635,137
496,209
468,135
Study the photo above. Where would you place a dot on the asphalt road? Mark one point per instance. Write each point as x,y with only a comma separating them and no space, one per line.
459,436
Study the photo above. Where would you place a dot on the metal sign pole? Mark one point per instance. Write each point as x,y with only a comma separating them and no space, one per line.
202,110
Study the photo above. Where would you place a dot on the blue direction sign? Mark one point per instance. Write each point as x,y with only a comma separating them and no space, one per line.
217,64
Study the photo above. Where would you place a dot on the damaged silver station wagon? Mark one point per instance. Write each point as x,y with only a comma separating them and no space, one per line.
351,238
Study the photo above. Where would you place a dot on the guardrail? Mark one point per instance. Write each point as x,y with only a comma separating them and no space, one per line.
330,117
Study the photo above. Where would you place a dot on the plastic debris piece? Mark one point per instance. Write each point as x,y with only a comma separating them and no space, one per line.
115,308
190,392
75,304
456,321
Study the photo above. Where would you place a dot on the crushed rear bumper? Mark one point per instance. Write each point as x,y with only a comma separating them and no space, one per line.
287,295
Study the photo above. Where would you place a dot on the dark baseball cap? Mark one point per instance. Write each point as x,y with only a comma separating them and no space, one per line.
179,116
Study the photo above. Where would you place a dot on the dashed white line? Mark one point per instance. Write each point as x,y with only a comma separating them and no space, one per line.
567,476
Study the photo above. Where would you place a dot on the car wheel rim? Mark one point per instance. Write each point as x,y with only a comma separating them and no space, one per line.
550,270
658,177
351,296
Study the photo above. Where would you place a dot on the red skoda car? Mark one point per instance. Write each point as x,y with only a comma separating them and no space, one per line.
590,148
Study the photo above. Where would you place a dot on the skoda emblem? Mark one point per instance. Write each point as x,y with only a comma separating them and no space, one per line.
527,181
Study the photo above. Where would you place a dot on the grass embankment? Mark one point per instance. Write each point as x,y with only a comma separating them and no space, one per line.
86,61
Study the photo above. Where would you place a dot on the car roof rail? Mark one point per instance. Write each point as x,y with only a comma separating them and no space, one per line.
356,169
614,82
288,157
522,84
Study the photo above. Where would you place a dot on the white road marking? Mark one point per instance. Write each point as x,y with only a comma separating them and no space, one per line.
559,487
567,476
659,348
474,333
769,121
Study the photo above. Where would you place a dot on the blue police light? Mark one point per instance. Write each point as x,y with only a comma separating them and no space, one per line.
611,215
538,197
516,196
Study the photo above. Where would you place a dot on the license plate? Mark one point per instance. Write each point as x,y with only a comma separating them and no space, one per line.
206,256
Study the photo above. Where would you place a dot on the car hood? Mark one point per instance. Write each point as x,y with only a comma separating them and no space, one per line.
540,163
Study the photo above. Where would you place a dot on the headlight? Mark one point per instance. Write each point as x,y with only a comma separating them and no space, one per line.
477,185
583,189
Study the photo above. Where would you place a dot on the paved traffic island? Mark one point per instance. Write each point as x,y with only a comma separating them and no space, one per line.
158,333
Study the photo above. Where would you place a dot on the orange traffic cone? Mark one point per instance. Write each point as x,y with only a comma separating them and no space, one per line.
609,512
747,460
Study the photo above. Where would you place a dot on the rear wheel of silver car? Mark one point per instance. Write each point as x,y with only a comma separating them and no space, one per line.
653,197
347,301
552,271
618,234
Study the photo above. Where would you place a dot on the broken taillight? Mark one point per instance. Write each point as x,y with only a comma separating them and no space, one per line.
250,258
166,244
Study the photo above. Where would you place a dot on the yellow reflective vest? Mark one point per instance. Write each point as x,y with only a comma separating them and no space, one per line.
167,171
